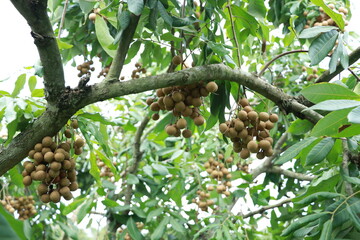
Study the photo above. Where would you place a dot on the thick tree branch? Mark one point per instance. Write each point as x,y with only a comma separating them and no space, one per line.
126,37
265,208
137,156
103,91
35,13
74,100
326,76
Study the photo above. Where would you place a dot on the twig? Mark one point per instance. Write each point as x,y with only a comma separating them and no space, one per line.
291,174
356,76
263,209
63,18
344,166
234,34
277,57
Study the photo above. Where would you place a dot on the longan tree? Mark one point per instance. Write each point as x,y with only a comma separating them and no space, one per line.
188,119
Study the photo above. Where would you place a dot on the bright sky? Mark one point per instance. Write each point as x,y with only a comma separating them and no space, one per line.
18,51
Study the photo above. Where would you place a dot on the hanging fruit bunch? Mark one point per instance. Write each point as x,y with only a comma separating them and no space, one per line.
138,71
317,17
24,206
219,170
249,131
105,171
183,101
85,68
52,165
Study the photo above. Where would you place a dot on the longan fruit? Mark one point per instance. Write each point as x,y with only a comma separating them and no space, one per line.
211,87
228,176
229,160
59,157
67,133
38,157
181,123
260,155
149,101
38,147
29,167
48,157
31,154
196,102
244,102
169,103
161,103
269,152
41,167
69,196
56,166
273,118
42,189
186,133
46,141
332,6
242,115
167,90
227,193
223,128
264,144
187,112
92,16
40,175
252,146
179,106
245,153
225,171
74,124
199,120
160,93
204,92
27,180
248,109
45,198
202,204
263,116
78,151
214,174
243,134
239,125
210,188
64,182
252,115
55,196
177,96
177,60
269,125
79,142
155,116
73,186
220,188
53,173
171,130
45,150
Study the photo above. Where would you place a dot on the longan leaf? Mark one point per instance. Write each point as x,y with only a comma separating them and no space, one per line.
294,150
300,126
160,229
326,231
136,6
103,36
315,31
11,228
19,85
321,46
354,115
154,213
177,226
302,221
133,230
319,152
315,196
333,105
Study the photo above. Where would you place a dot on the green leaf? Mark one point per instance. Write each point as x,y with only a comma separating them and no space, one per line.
320,151
72,206
245,19
177,226
160,229
354,115
346,177
109,203
154,213
354,218
335,56
94,170
28,229
315,196
96,117
327,230
315,31
162,170
321,46
164,14
148,170
210,122
32,83
333,15
300,126
86,5
328,91
16,177
84,209
131,179
14,228
333,105
182,22
19,85
63,45
294,150
136,6
103,36
332,125
124,20
133,230
257,8
169,37
302,221
38,93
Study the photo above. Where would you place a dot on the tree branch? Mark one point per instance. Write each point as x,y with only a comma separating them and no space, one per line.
122,50
137,156
35,13
344,166
263,209
326,76
288,173
234,34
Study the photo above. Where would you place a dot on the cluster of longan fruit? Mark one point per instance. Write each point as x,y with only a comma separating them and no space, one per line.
311,76
183,101
323,19
24,206
249,131
203,200
54,168
137,71
105,171
104,71
139,225
217,169
243,167
85,68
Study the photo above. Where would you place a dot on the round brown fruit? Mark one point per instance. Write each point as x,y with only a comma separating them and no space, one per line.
273,118
45,198
155,116
260,155
252,115
263,116
269,125
177,60
79,142
73,186
92,16
38,157
196,102
242,115
171,130
27,180
74,124
245,153
264,144
199,120
223,128
59,157
181,123
149,101
38,147
49,156
253,146
186,133
155,107
47,141
55,196
177,96
244,102
211,87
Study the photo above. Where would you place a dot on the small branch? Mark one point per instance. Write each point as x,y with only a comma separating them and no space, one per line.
122,50
291,174
234,34
326,76
267,162
344,166
277,57
137,156
62,18
354,74
265,208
